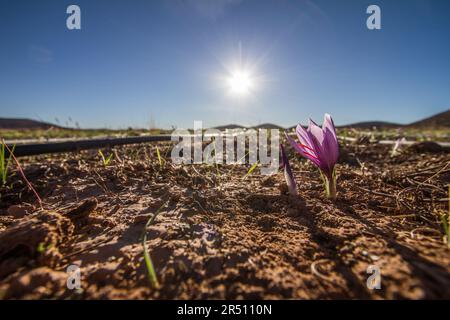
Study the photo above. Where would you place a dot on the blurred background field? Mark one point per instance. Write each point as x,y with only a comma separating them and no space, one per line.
434,128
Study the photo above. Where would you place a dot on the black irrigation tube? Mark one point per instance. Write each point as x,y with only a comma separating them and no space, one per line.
33,149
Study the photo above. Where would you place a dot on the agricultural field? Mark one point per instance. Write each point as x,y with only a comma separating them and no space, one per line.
392,134
142,227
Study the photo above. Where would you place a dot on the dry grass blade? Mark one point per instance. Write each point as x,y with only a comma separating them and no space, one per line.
378,193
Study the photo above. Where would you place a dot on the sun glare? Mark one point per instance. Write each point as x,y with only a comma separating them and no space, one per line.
240,82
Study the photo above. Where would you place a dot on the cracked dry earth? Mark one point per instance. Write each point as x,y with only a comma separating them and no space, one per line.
219,236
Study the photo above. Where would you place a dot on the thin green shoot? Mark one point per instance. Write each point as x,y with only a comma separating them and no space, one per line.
159,157
152,277
5,163
329,185
105,160
253,167
42,248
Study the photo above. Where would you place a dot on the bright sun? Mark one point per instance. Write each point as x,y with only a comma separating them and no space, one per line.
240,82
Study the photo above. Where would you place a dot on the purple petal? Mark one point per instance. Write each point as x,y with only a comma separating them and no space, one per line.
307,143
331,144
304,138
316,136
288,176
316,131
318,144
304,152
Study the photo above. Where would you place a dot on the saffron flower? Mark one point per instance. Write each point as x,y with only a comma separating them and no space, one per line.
321,147
292,186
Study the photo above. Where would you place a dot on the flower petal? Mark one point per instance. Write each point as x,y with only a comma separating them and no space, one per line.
288,176
331,145
304,138
316,131
317,139
304,152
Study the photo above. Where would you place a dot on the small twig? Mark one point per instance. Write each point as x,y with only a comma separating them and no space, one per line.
419,172
418,184
414,234
437,173
316,272
362,165
436,200
90,246
100,186
378,193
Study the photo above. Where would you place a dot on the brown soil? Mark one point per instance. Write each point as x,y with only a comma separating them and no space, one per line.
218,236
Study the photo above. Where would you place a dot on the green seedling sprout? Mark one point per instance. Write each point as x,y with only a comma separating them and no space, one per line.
253,167
5,163
105,160
148,260
159,157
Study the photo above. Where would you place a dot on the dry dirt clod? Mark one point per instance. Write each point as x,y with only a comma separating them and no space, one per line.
84,210
425,147
35,284
36,237
20,211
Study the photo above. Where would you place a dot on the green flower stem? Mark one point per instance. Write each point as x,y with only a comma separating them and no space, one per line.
329,185
331,188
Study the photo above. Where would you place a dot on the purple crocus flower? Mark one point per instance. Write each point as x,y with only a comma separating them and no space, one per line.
290,181
319,145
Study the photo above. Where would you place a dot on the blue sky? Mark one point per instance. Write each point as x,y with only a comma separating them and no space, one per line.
136,63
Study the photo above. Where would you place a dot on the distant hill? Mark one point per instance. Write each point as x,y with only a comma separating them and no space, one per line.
230,126
260,126
16,124
365,125
440,120
268,126
371,124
